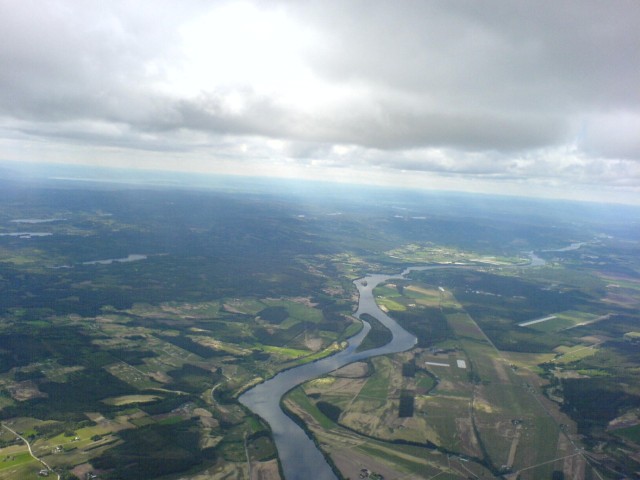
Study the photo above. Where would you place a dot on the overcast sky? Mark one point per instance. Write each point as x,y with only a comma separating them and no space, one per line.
537,97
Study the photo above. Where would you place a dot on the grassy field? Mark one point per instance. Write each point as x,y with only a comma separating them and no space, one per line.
376,387
387,296
563,320
298,396
130,399
575,353
16,463
431,297
287,353
631,433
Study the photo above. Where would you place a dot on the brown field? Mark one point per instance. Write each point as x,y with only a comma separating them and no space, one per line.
25,390
353,370
351,452
81,470
265,470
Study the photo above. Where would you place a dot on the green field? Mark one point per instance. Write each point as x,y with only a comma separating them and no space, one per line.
630,433
377,386
130,399
9,461
563,321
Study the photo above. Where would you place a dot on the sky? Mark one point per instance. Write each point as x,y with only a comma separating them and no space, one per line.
534,98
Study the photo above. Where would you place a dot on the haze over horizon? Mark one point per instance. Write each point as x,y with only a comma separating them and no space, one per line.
521,98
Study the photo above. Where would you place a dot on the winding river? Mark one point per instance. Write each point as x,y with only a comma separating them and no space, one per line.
299,456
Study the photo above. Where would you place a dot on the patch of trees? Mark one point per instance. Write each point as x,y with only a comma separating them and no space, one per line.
407,400
66,402
334,314
165,405
20,349
329,410
378,336
409,369
135,337
428,325
260,356
595,401
261,443
20,376
65,344
473,376
193,379
335,326
83,390
629,350
132,357
275,315
153,451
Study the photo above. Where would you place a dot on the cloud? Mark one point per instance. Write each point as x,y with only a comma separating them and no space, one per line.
612,134
510,90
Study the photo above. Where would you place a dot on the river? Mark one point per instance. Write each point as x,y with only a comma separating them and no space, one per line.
298,454
300,458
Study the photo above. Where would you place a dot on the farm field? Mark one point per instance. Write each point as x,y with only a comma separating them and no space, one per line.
562,321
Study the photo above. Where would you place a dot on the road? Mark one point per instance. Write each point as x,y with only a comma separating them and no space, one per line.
30,450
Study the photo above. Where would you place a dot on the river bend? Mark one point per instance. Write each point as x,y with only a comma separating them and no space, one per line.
298,454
